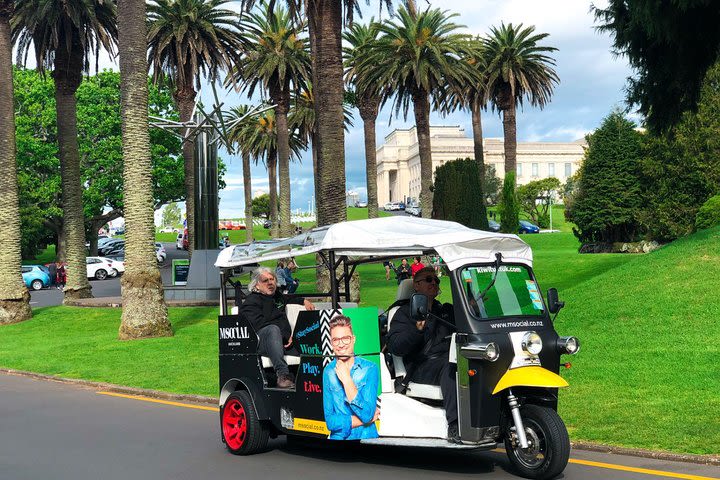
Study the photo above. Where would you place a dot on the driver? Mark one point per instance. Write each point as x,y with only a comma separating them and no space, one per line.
425,344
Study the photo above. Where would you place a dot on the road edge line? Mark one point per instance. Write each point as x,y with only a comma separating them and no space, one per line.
712,460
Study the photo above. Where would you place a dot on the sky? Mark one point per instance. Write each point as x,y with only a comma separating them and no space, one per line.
592,82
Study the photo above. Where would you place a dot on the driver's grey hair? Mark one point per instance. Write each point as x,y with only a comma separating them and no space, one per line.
255,277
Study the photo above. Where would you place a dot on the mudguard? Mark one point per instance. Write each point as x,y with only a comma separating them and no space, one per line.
531,376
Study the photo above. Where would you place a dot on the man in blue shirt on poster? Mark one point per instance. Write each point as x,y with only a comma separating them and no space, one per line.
350,387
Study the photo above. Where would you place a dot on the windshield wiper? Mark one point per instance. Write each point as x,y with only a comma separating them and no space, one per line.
498,259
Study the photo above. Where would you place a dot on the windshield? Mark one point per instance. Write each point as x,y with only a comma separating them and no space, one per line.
513,293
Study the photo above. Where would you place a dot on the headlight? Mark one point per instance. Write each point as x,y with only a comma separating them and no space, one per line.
568,345
481,351
532,343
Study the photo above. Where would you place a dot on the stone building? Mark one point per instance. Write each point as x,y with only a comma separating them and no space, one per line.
398,159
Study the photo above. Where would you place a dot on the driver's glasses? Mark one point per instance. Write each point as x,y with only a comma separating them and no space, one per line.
342,340
434,280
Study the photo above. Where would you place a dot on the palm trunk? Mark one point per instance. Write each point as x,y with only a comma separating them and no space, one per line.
479,159
421,105
247,185
328,86
14,297
316,184
67,76
283,142
144,311
272,186
510,138
368,112
311,15
185,100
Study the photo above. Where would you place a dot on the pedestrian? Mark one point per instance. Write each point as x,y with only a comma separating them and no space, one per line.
61,276
403,271
416,266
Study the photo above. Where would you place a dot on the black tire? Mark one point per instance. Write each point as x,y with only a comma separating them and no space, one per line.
101,274
37,284
242,431
549,449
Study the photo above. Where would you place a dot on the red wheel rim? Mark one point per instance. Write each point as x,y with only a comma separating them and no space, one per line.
234,424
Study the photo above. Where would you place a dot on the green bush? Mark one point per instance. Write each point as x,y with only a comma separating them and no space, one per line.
457,194
709,214
529,194
609,196
509,205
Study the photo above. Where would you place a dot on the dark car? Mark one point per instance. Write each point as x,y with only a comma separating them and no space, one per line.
267,224
493,226
527,227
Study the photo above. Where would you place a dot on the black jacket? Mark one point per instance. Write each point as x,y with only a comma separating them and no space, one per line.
405,340
262,310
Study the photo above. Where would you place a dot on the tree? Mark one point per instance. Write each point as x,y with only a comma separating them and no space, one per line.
100,146
457,193
517,67
472,96
609,193
361,40
144,311
671,45
261,205
14,297
277,60
171,215
187,39
491,185
415,57
509,208
535,198
63,33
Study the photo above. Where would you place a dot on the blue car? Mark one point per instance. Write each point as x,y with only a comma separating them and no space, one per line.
527,227
36,277
493,226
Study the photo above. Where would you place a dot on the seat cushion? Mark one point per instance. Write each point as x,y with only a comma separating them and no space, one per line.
289,359
424,390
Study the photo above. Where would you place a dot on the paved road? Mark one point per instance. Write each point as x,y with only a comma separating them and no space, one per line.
105,288
59,431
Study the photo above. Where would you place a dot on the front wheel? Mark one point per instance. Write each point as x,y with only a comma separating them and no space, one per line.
36,285
548,444
101,274
242,431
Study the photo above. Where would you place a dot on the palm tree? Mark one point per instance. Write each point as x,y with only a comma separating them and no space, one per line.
517,67
144,311
14,297
471,95
63,34
187,39
415,57
361,40
239,134
276,60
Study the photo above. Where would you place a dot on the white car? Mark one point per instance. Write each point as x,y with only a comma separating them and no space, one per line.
100,268
118,267
160,250
388,206
179,241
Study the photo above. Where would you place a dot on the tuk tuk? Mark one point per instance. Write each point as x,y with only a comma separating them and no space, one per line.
505,350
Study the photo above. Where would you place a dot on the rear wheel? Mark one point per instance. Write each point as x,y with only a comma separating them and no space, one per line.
37,284
101,274
548,444
242,431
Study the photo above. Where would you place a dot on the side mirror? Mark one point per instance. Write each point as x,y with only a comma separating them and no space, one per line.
418,306
554,305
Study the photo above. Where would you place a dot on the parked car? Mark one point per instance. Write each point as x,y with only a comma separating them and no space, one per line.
99,268
388,206
117,266
179,241
36,277
494,226
160,249
114,250
413,210
527,227
120,231
361,204
267,224
167,230
400,206
111,245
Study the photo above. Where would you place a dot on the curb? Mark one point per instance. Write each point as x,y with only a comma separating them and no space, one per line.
713,460
116,302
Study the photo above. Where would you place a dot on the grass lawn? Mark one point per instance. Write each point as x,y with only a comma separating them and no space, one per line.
646,375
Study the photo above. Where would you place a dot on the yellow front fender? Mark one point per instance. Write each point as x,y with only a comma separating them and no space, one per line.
530,377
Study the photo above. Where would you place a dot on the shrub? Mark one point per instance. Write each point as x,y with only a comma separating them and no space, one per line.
608,196
457,194
709,214
538,191
509,208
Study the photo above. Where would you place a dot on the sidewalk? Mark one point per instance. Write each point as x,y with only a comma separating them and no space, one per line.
116,302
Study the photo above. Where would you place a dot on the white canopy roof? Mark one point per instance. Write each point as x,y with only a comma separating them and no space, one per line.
388,236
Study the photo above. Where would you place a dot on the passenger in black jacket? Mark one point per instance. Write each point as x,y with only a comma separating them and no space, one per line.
264,308
424,345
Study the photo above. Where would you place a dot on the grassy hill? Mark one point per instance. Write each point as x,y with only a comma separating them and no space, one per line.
648,373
